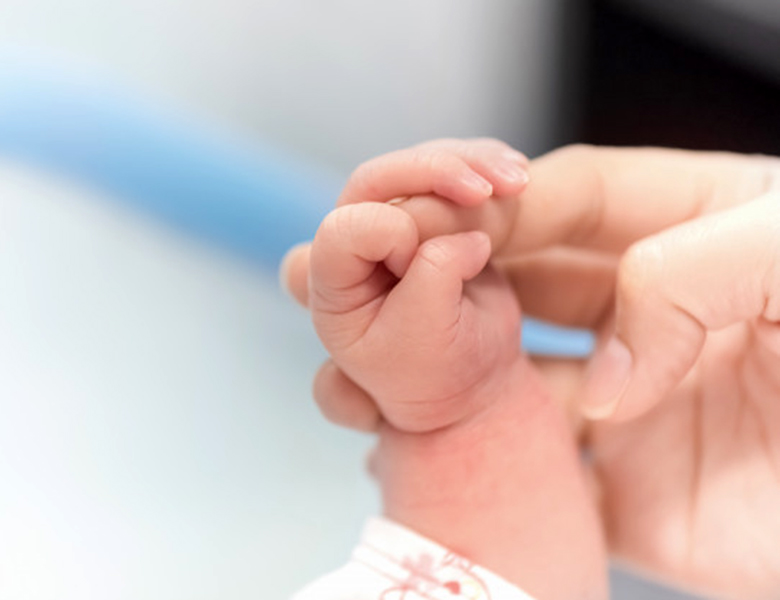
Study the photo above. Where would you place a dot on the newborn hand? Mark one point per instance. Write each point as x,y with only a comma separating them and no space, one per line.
473,453
424,328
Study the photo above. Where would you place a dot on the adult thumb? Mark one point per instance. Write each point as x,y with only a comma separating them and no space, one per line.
674,287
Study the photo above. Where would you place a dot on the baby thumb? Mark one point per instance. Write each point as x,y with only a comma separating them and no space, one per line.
432,288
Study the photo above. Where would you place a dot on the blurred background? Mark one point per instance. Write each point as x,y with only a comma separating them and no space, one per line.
157,437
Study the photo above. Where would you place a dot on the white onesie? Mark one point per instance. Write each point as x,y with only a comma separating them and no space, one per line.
392,562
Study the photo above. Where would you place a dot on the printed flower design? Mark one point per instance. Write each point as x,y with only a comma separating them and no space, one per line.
450,578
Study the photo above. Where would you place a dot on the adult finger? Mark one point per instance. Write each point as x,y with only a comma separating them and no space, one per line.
343,402
563,377
571,287
608,198
672,288
465,172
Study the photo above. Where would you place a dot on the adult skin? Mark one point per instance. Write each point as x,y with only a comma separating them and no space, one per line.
674,259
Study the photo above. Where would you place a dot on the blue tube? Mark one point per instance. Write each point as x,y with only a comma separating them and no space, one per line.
251,199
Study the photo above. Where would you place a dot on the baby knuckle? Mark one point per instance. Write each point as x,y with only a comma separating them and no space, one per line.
439,163
340,225
334,224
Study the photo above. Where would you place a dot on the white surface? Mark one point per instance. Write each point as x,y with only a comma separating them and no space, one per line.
157,437
337,81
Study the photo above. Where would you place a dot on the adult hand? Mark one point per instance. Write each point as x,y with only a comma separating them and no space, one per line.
674,259
690,346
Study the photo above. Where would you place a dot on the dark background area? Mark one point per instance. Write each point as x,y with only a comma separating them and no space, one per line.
650,82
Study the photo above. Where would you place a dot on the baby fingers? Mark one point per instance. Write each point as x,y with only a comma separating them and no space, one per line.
467,172
356,257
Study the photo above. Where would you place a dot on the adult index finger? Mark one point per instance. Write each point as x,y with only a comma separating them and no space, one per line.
608,198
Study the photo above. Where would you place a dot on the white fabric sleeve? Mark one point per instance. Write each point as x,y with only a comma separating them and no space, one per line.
395,563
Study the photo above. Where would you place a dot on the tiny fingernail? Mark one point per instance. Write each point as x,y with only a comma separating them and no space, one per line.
607,380
478,183
511,172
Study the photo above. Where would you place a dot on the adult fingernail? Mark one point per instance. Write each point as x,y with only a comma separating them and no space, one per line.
607,380
477,183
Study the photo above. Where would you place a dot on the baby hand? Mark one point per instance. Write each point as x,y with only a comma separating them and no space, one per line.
425,329
447,185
